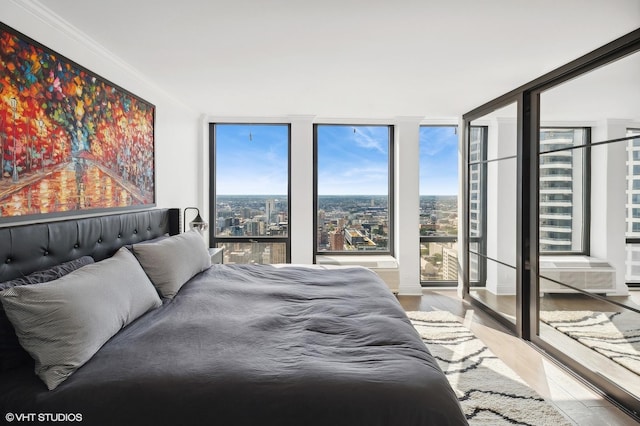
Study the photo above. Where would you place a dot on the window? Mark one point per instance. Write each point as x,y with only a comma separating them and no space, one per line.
439,205
250,192
353,189
563,190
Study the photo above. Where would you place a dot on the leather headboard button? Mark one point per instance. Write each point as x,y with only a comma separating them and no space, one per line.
135,231
46,253
99,240
76,245
8,260
119,235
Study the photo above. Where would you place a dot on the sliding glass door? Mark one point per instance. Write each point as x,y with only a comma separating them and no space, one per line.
552,215
587,311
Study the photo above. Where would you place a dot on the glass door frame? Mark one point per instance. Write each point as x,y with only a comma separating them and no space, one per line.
521,326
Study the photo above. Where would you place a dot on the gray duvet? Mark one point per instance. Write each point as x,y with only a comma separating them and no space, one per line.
256,345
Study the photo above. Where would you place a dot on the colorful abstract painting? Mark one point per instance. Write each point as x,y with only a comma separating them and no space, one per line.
70,141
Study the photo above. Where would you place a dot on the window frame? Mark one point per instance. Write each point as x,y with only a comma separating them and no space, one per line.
390,197
215,240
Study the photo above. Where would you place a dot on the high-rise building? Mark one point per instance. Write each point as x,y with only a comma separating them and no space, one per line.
450,262
336,240
561,191
252,227
476,143
632,262
270,209
278,253
323,236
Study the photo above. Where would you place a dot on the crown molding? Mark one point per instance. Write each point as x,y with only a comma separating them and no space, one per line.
50,18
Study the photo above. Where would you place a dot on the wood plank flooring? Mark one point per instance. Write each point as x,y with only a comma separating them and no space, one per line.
578,402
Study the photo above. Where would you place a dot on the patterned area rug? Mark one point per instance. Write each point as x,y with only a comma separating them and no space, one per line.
489,392
615,335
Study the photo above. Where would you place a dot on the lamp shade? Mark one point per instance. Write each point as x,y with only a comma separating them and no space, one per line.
197,224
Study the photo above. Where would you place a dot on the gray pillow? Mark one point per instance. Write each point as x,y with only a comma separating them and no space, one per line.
48,274
63,323
173,261
12,355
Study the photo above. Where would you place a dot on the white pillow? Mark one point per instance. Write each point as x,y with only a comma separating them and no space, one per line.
172,261
63,323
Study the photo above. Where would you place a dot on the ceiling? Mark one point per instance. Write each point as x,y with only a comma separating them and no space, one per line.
346,58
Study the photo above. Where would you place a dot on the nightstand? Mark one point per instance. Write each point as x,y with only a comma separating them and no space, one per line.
216,254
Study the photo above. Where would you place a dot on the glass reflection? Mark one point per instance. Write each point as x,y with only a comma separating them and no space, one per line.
492,210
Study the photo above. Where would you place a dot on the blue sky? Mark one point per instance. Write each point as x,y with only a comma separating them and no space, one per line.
252,160
353,160
438,160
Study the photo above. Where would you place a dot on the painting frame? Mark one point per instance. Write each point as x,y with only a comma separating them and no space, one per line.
72,143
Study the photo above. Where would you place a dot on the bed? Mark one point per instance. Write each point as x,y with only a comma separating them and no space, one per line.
231,345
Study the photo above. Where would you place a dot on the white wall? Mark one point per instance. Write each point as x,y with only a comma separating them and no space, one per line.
176,127
301,224
407,204
502,212
608,197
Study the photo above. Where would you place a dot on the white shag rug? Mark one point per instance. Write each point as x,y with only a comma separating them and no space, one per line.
489,392
615,335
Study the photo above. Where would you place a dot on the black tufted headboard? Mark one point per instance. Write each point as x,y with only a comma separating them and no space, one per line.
29,248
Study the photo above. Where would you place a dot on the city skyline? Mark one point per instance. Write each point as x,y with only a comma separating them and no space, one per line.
345,223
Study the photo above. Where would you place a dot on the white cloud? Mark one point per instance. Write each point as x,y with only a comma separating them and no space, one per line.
367,137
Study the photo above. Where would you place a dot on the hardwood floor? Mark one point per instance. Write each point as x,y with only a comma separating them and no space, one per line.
578,402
